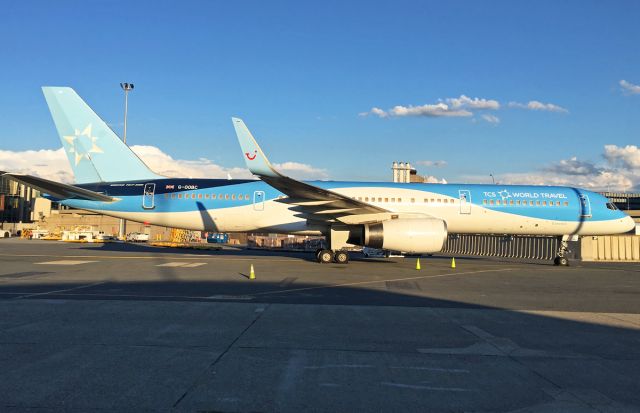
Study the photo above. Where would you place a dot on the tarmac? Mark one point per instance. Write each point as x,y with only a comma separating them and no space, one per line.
122,327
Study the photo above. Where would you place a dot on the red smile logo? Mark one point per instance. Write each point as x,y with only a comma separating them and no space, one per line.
249,157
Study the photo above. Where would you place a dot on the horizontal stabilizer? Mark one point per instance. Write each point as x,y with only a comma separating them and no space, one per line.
57,189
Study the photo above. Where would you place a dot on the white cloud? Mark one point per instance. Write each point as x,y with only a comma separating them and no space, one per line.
301,170
573,166
475,103
45,163
491,118
437,110
430,179
630,87
602,181
53,165
619,172
432,164
539,106
163,164
627,157
450,107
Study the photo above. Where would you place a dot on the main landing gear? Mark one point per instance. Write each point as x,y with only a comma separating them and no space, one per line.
328,256
563,249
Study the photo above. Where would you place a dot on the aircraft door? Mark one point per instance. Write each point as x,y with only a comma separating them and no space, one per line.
258,200
585,206
465,201
147,196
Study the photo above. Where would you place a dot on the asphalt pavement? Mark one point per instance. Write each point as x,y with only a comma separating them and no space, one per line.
123,327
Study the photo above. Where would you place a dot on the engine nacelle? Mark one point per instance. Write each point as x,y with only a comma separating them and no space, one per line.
413,235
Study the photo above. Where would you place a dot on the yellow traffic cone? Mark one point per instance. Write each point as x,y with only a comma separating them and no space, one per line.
252,273
453,262
418,264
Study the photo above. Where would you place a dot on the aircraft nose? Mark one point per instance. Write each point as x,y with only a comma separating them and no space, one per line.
628,223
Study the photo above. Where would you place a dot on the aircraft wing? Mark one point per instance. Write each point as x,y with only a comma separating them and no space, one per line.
312,202
57,189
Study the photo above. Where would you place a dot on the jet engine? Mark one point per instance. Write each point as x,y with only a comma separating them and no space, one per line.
413,235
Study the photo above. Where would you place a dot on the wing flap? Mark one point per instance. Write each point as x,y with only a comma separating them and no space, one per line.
57,189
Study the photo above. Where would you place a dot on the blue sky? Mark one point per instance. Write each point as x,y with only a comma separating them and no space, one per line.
302,75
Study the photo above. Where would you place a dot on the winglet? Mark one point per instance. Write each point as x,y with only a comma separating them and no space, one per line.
253,156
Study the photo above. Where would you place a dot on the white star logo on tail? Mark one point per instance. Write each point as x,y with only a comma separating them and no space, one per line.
79,141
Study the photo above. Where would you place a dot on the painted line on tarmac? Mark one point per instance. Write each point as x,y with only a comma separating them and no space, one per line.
63,262
182,264
379,281
66,293
61,291
127,257
422,387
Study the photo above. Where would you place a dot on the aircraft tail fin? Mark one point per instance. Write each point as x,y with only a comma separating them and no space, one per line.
95,152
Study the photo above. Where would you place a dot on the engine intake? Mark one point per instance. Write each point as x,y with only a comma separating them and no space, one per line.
413,235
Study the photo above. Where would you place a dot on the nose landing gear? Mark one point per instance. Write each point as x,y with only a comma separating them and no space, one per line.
563,249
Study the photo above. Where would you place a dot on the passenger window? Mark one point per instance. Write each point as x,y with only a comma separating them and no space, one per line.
439,200
491,202
233,197
213,196
557,203
413,200
484,202
530,203
426,200
544,203
393,200
537,203
226,196
399,199
366,199
206,196
566,203
246,197
166,196
498,202
511,202
518,202
173,196
179,196
199,196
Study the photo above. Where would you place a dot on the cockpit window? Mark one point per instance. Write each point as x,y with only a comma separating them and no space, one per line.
612,206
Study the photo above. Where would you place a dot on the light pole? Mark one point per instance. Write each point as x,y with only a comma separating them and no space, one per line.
126,87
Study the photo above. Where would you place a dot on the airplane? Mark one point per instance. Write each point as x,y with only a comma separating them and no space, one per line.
410,217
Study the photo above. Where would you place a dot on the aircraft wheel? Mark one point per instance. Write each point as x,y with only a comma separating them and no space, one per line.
341,257
325,256
561,261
